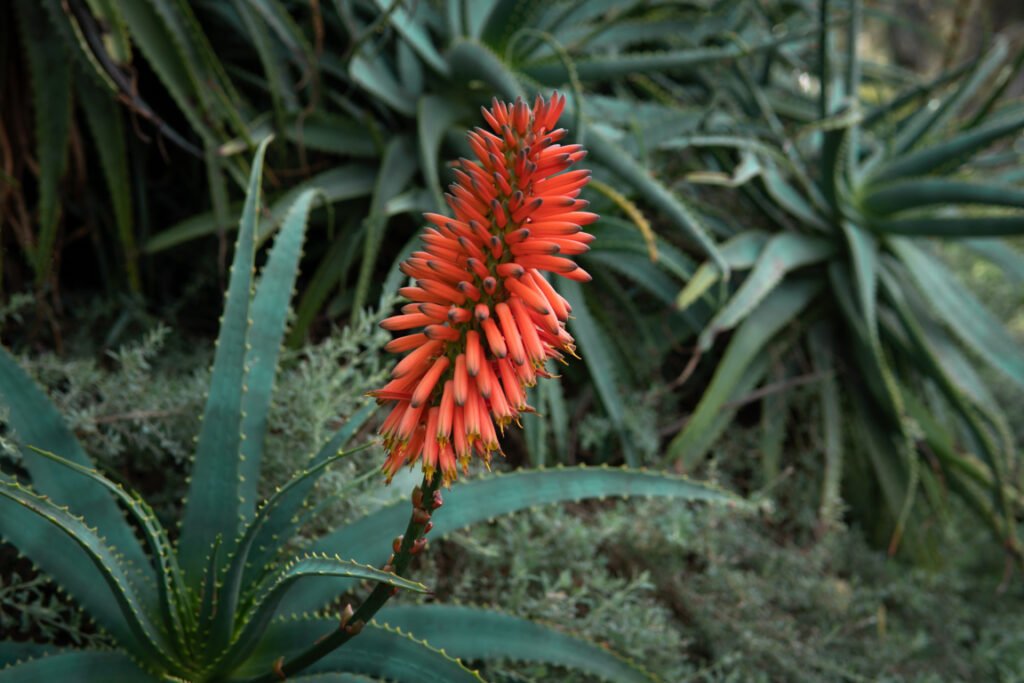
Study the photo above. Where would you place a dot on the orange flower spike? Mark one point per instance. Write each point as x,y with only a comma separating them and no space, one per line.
483,319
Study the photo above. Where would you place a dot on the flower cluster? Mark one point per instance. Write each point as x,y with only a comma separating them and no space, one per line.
482,319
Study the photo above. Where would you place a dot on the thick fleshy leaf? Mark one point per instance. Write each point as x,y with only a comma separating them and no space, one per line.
36,422
369,538
782,254
67,548
269,314
81,667
965,316
212,508
473,633
749,342
379,651
50,69
309,569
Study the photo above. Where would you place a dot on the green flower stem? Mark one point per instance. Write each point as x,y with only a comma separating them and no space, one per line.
369,607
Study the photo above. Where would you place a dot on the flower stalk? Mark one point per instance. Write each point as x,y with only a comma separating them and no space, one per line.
425,499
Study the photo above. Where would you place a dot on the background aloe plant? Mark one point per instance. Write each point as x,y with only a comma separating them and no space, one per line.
222,602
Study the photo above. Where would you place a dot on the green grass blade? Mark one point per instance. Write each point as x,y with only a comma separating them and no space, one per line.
81,667
36,422
483,499
472,633
269,315
748,343
50,68
781,255
212,508
380,652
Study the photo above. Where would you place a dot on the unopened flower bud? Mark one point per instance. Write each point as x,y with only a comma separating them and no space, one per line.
420,516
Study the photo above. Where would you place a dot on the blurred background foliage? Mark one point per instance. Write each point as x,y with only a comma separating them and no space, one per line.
807,281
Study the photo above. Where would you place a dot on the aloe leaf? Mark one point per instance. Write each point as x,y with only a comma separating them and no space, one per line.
380,652
36,422
328,132
622,164
965,316
396,170
782,254
414,33
483,499
949,153
306,569
469,59
373,75
279,87
640,270
274,523
967,226
165,53
105,123
127,619
602,68
277,520
821,345
740,252
600,359
1001,253
915,193
50,69
80,666
435,115
505,18
269,315
212,508
748,343
170,582
472,633
337,184
12,652
930,118
332,269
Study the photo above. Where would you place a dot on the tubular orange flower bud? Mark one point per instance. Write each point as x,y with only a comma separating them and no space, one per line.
483,319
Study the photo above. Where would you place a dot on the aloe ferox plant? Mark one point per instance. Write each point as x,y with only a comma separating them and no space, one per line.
222,603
